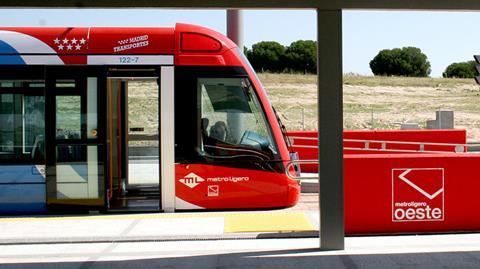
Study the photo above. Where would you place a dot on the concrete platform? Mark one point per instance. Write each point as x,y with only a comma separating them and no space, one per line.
392,252
299,221
157,227
273,239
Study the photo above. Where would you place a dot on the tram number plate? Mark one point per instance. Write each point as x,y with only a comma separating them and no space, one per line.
128,60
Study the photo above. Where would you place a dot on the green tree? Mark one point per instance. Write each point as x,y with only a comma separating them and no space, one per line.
301,56
460,70
246,51
407,61
267,56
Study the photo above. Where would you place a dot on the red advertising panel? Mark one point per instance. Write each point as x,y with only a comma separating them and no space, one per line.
411,193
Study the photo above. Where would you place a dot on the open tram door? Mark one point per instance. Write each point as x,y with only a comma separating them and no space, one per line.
140,139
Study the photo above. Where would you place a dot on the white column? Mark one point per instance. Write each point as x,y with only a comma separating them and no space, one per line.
330,128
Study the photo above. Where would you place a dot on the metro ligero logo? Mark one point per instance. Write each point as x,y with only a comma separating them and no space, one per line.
418,194
191,180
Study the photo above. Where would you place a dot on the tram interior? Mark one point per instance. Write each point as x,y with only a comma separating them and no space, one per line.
133,131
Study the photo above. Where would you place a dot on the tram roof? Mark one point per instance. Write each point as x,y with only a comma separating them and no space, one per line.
71,45
111,40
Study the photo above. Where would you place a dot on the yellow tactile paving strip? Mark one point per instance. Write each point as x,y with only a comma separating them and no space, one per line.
238,222
267,222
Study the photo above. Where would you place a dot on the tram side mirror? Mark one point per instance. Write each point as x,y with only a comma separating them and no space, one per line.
254,140
477,67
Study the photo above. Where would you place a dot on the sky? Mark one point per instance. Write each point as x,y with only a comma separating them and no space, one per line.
445,37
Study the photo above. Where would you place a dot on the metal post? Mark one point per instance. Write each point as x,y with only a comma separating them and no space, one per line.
330,127
303,119
235,26
235,33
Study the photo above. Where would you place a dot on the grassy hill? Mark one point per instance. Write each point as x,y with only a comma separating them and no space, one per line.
377,102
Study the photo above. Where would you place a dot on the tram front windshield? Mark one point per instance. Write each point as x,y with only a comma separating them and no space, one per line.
232,120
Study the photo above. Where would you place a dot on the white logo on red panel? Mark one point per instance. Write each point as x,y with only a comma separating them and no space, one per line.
132,43
418,194
191,180
66,44
213,190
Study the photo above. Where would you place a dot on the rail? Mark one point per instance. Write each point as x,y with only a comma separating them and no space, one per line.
381,145
366,145
290,167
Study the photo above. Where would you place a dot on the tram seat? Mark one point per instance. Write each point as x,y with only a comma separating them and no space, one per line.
38,149
204,126
219,131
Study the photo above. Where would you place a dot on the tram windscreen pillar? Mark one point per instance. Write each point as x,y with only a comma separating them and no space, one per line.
330,128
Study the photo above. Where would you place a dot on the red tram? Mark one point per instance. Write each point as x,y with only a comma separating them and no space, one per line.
148,119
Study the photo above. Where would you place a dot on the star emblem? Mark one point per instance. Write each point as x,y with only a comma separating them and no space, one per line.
69,47
82,41
60,47
65,41
56,40
78,47
74,41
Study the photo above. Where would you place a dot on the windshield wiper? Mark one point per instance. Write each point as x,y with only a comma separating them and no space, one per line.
283,129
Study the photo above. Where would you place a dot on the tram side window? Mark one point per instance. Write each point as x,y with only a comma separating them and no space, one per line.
68,122
7,123
22,127
232,121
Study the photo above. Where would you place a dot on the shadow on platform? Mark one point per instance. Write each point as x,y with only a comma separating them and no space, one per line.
301,258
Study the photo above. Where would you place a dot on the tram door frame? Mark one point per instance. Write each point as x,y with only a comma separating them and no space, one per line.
167,137
164,74
99,73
